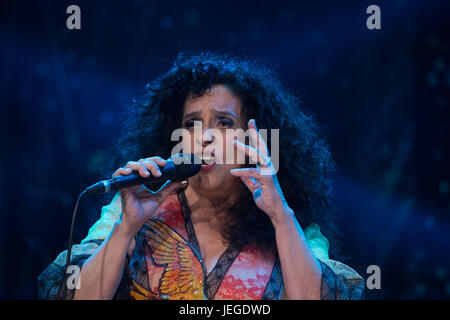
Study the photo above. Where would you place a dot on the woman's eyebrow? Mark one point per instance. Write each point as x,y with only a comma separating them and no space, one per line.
192,114
225,113
215,112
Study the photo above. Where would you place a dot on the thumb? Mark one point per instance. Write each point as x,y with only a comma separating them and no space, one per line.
249,182
168,188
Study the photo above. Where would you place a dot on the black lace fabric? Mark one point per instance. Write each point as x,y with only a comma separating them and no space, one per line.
52,282
274,287
340,282
215,277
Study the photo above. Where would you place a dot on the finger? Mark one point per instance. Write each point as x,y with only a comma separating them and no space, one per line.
248,172
255,156
159,161
249,151
122,172
139,167
257,138
144,192
250,183
151,166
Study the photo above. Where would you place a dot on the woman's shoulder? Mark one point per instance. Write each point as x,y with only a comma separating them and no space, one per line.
338,279
110,214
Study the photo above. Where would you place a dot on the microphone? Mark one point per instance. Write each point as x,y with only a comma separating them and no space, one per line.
178,167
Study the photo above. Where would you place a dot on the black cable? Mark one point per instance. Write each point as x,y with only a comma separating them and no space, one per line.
69,248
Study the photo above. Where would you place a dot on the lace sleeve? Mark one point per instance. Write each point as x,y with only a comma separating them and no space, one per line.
52,282
340,282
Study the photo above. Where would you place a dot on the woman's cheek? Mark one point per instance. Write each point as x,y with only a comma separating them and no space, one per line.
188,143
230,152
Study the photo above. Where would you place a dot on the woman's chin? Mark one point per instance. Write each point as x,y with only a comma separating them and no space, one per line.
209,184
215,178
209,181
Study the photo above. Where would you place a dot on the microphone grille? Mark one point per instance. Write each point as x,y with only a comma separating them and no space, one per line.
186,165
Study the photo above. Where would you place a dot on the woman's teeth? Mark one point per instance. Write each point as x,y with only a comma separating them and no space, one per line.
207,160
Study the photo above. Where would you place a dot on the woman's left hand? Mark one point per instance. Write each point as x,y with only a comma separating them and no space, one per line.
262,180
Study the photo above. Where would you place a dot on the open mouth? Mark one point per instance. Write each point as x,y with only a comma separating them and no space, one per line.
207,167
208,162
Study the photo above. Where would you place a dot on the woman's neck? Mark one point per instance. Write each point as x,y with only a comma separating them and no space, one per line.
211,207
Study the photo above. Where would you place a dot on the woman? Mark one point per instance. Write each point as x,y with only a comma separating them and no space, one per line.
233,231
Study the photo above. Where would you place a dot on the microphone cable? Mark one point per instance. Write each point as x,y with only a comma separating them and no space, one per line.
69,247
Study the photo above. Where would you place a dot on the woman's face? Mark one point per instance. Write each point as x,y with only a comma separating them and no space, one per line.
216,111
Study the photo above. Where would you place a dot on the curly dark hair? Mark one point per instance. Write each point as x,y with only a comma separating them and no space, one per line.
305,161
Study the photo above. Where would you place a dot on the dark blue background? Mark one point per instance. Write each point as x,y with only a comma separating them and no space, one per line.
382,95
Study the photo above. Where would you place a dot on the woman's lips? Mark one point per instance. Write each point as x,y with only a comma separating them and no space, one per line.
207,167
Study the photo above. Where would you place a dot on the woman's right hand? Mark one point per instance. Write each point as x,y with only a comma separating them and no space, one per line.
138,202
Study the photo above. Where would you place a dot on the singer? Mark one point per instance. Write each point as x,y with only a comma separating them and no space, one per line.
230,231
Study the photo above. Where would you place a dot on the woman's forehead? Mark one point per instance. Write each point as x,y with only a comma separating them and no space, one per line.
218,99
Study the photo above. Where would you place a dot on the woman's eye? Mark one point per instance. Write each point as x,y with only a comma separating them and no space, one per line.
190,123
224,123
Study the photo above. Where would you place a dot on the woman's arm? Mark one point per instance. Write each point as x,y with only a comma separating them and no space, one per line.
101,273
301,271
305,277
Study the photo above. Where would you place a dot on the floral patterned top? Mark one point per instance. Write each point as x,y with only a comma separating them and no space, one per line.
165,263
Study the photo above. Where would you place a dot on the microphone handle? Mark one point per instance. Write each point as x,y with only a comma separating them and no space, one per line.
133,179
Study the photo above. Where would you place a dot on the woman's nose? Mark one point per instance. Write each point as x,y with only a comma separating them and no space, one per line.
207,137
